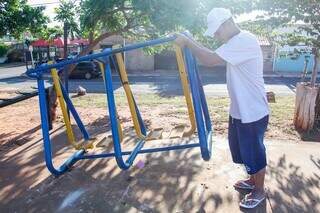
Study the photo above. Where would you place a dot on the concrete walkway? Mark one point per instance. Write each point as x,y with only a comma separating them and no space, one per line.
177,181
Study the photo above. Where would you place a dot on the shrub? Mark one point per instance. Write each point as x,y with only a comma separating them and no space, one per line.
3,49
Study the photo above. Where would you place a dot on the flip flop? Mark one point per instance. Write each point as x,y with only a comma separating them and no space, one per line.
243,185
250,203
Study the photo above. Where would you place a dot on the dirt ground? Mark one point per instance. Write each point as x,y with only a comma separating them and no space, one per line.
102,186
21,122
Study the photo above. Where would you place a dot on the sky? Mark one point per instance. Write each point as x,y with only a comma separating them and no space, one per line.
51,4
49,11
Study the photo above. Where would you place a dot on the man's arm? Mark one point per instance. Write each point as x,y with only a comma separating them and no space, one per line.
205,55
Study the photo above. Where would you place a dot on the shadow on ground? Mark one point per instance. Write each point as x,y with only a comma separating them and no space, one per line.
166,182
292,190
177,181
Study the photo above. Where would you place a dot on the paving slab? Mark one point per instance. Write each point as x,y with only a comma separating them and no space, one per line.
176,181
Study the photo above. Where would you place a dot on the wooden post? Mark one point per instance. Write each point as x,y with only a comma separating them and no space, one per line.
306,100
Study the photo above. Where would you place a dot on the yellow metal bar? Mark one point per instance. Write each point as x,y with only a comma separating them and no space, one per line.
127,89
66,119
186,90
101,65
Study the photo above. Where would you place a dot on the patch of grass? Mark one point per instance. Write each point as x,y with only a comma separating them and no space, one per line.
283,109
280,124
281,118
100,100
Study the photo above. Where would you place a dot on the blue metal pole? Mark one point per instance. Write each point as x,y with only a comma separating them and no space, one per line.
114,123
197,104
142,151
203,99
113,115
140,120
143,127
74,113
46,138
205,110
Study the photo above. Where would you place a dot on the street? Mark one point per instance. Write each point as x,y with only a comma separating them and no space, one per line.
164,83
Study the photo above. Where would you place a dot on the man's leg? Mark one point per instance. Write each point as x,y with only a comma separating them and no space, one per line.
258,190
254,157
233,139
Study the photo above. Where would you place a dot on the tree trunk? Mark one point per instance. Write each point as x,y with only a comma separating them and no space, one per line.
307,99
52,94
305,70
91,37
315,67
65,40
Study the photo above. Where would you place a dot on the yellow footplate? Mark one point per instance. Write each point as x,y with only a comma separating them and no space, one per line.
91,143
155,134
177,132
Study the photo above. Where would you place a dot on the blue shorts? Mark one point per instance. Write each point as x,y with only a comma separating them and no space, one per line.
246,143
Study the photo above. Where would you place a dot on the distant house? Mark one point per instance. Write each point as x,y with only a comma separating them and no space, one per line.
292,58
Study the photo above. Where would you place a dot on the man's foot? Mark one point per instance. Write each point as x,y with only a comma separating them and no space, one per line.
247,184
253,199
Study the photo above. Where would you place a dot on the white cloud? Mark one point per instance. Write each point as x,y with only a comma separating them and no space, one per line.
248,16
49,11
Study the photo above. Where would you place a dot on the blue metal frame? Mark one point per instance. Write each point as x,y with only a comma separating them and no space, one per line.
199,103
37,72
114,123
46,137
200,106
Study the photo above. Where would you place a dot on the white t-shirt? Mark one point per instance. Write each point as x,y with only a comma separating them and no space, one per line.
245,77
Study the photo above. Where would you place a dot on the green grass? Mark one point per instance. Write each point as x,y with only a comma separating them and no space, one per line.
99,100
280,125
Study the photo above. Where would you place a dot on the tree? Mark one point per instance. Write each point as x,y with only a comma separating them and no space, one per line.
67,14
137,19
50,33
16,16
140,19
305,15
132,19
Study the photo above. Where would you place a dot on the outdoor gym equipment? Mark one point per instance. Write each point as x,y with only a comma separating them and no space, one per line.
197,108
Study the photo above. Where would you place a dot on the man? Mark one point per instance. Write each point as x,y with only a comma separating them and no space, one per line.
249,112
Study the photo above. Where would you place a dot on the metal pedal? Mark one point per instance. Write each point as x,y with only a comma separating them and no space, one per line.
104,141
177,132
155,134
90,144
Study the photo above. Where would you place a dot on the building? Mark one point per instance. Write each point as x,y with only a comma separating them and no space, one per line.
268,53
292,58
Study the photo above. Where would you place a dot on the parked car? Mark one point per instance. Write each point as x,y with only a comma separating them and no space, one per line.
87,70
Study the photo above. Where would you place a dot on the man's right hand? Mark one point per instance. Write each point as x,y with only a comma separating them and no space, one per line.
182,40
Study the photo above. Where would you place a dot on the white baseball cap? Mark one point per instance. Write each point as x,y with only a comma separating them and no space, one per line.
215,18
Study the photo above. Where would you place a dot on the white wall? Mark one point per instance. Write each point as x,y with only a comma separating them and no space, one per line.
138,60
